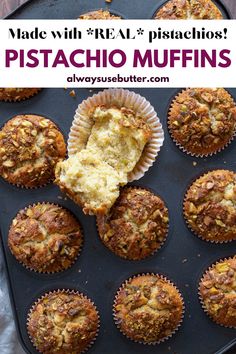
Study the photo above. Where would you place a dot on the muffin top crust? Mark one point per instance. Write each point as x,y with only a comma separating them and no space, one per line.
92,176
17,94
218,292
210,206
30,147
189,10
63,322
136,225
202,120
45,237
99,15
148,308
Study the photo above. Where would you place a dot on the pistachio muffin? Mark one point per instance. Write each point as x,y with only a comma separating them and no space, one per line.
99,15
189,10
136,226
148,309
210,206
218,292
92,176
30,147
63,322
202,121
45,238
17,94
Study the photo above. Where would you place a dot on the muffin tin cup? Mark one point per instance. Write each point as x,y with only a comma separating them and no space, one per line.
34,91
82,125
182,148
186,220
200,295
160,243
65,291
117,321
60,269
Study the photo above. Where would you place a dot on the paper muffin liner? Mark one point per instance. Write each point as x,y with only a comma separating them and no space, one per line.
117,321
82,125
28,94
50,180
65,291
184,210
60,269
160,243
200,295
182,148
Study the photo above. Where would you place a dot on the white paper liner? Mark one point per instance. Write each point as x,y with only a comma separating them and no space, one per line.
82,125
65,291
117,322
200,294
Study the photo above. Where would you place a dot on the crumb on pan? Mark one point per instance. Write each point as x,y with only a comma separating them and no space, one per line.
99,15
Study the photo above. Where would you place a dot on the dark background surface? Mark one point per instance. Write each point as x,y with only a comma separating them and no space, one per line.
6,6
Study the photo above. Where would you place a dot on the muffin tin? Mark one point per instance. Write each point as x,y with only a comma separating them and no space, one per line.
97,272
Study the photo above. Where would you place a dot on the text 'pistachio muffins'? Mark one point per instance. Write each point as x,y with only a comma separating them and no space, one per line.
189,10
148,309
30,147
63,322
210,206
202,121
136,226
45,238
217,290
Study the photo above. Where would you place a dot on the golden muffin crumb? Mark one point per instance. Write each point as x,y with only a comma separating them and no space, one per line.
189,10
202,120
92,177
99,15
45,238
17,94
30,147
210,206
148,309
218,292
136,225
63,322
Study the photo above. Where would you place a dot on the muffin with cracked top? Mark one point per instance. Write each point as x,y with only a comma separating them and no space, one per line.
148,308
202,121
136,226
189,10
210,206
63,322
30,147
17,94
217,291
99,15
45,238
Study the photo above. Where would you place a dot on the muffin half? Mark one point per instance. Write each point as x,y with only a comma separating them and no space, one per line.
92,176
63,322
202,121
217,291
30,147
136,226
189,10
45,238
148,308
210,206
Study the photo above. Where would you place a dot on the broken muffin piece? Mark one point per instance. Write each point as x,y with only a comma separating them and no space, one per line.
92,177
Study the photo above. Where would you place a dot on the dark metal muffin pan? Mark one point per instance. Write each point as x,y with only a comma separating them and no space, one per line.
98,273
